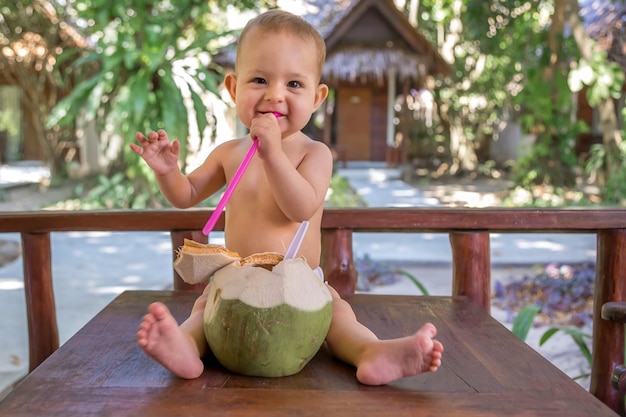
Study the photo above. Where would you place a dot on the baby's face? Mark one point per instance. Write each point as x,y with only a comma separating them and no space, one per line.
277,73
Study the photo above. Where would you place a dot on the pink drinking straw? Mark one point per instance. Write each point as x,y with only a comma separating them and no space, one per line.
210,224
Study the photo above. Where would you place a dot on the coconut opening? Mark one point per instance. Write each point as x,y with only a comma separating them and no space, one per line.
265,260
290,282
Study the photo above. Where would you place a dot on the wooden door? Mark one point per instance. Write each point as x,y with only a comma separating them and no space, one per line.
354,107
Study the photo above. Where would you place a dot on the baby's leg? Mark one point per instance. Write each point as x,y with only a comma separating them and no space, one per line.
178,349
377,361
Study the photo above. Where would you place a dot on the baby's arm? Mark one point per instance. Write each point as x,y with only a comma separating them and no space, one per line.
162,156
298,191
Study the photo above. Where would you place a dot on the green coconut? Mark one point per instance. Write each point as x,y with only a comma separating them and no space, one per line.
264,322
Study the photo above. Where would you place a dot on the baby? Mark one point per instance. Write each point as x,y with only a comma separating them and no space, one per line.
276,88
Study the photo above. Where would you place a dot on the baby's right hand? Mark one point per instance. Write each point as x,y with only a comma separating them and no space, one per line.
159,153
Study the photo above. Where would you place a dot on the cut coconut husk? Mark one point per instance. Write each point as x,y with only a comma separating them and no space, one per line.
264,322
197,262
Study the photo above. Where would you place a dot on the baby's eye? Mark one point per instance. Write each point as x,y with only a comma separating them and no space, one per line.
259,80
294,84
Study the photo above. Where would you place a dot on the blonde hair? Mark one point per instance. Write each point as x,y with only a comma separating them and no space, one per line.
279,21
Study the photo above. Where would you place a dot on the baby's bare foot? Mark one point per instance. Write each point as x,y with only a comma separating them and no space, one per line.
162,339
385,361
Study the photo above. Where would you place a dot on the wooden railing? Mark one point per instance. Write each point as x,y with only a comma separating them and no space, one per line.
469,231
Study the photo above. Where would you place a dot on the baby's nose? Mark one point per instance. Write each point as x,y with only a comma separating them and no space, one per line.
275,93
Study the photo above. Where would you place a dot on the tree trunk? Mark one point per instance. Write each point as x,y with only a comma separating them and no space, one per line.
464,157
461,148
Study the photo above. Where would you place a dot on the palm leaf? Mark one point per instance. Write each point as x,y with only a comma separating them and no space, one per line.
201,112
139,94
64,112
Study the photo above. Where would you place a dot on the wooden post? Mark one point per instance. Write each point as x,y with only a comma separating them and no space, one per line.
471,267
337,261
43,334
608,336
178,239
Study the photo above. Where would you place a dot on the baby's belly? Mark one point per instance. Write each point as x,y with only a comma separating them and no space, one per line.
250,237
256,244
272,242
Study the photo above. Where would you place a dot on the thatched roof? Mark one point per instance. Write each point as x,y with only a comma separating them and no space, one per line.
365,40
372,65
605,22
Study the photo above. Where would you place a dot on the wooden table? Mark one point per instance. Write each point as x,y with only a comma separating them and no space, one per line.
486,372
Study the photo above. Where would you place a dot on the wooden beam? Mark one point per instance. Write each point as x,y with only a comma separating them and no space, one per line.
43,334
471,267
608,336
337,261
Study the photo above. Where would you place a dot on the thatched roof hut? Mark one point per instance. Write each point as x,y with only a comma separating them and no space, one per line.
368,39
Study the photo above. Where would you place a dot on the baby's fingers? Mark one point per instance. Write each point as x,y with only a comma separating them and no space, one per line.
175,148
137,149
141,138
144,141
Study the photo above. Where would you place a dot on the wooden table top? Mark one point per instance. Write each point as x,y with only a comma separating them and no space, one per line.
486,371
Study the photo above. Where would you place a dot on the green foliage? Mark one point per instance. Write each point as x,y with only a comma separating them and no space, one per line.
561,294
500,68
504,71
420,286
477,92
524,321
603,78
580,338
340,194
547,197
116,192
614,189
597,154
432,15
547,112
146,57
9,120
500,33
604,81
149,69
